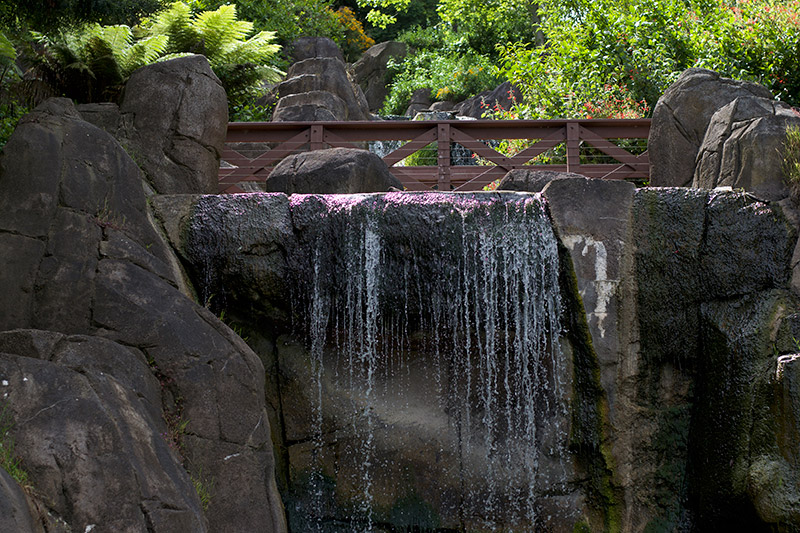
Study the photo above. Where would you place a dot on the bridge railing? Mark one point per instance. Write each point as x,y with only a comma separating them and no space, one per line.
600,148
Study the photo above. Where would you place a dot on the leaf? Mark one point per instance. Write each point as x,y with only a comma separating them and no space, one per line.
7,52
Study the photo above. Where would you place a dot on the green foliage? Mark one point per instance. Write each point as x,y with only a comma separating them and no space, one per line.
487,22
9,117
636,49
251,112
9,461
239,62
203,486
791,163
93,62
446,66
291,19
54,15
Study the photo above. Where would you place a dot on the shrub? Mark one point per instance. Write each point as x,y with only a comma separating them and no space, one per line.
446,65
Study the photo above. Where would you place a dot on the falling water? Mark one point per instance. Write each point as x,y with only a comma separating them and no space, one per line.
405,293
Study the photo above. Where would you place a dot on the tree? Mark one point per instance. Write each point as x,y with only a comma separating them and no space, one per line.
50,15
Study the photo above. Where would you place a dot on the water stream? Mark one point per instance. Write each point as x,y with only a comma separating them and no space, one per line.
432,323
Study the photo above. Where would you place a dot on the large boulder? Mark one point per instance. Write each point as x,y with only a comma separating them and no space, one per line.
681,118
314,47
317,76
332,171
87,260
743,147
176,116
372,70
15,513
420,102
532,180
504,96
309,106
84,397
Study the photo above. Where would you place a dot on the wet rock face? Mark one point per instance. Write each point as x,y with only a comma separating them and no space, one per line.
397,403
86,260
715,268
681,118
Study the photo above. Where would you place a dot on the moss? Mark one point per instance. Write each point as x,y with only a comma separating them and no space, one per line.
412,513
590,422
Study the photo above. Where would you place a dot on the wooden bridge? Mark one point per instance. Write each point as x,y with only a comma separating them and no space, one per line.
599,148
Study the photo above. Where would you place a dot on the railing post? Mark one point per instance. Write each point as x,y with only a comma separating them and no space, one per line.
573,147
443,144
316,137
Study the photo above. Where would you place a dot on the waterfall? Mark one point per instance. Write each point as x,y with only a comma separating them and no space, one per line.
432,322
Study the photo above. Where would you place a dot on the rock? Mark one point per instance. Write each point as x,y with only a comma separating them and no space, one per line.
447,105
599,254
309,106
101,269
529,180
313,78
177,112
743,148
736,428
503,96
372,74
15,514
85,397
242,260
681,118
420,102
314,47
332,171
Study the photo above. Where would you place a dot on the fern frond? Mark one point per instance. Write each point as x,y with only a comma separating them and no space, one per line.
176,24
219,29
118,38
257,49
142,52
7,52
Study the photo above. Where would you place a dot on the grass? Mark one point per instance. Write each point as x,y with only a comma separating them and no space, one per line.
791,162
9,460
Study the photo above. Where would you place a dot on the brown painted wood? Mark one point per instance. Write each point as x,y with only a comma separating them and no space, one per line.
294,137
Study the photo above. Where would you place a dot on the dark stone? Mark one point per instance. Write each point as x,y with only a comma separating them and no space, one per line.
530,180
335,170
97,266
681,118
371,71
178,114
307,84
15,514
744,148
90,433
310,106
503,96
420,102
314,47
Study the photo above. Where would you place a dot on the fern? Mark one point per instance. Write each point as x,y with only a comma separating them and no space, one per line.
93,62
